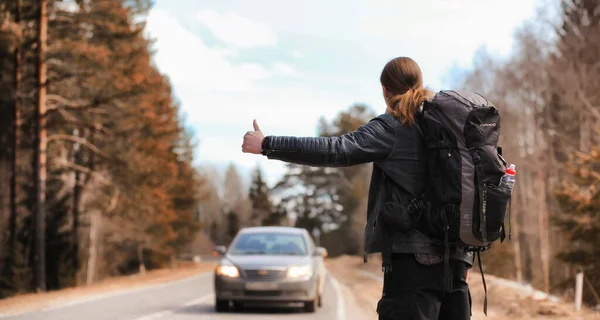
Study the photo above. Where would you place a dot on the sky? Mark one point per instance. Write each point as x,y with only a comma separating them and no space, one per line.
287,63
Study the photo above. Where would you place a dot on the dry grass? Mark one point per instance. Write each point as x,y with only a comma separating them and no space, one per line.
504,301
39,301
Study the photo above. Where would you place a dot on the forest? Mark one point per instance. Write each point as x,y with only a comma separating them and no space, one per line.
97,163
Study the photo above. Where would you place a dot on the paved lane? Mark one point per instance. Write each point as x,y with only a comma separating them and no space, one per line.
190,298
205,310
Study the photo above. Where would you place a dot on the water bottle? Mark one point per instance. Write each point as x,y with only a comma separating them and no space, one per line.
508,180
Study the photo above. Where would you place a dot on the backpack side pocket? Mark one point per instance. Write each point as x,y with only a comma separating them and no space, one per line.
496,203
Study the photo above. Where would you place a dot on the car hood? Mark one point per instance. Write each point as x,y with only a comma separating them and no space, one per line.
261,261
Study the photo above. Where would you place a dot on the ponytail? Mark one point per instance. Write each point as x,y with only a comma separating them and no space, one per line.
404,106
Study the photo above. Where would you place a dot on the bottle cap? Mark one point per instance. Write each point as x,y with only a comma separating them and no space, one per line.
511,170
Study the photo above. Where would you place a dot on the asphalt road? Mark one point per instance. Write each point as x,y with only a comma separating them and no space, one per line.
190,298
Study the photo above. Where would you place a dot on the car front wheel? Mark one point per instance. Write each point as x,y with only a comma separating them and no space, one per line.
310,306
221,305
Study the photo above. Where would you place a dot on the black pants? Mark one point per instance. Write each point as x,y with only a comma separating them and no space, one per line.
417,291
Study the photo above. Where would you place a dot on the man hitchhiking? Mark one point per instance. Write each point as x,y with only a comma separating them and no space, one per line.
438,190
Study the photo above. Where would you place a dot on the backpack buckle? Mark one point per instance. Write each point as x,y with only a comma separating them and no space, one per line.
414,205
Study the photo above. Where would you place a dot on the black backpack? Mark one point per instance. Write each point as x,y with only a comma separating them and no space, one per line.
465,206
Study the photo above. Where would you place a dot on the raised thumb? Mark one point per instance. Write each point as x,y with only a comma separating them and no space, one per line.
255,124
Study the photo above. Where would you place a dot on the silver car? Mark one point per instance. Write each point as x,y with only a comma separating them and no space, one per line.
270,265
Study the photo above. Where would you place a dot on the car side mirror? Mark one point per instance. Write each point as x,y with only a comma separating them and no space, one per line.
219,250
320,251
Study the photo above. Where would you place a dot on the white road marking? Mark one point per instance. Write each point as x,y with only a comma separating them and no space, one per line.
372,275
200,300
341,308
115,293
165,313
156,315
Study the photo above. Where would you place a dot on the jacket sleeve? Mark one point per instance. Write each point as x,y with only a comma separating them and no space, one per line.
371,142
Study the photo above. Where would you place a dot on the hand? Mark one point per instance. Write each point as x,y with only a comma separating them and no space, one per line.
467,274
253,140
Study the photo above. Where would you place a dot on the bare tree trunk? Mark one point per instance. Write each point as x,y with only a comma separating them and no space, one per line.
40,150
516,237
585,132
543,227
140,253
14,165
93,249
75,210
528,224
525,227
173,261
540,164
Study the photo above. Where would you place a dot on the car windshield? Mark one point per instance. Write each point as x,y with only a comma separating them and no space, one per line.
269,243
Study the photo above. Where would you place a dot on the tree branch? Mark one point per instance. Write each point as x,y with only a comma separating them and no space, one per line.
85,170
93,103
80,140
113,202
591,108
96,127
64,102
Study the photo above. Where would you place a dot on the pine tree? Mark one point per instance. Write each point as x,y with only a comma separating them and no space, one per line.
580,200
575,113
235,196
233,191
40,155
117,152
233,225
184,194
262,208
327,198
60,273
11,43
277,217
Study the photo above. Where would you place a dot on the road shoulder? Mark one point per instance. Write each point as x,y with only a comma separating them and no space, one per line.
350,308
507,299
362,291
113,286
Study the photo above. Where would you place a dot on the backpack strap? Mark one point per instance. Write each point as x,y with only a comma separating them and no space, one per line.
482,196
418,127
447,277
419,116
503,234
485,300
386,251
509,223
386,258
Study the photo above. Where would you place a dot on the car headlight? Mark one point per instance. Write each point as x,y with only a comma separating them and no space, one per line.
299,271
228,271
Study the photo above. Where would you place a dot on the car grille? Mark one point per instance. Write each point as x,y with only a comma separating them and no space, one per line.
265,275
263,293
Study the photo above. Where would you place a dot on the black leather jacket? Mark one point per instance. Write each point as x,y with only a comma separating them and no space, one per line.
396,153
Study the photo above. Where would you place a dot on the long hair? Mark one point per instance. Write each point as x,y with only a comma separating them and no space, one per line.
403,82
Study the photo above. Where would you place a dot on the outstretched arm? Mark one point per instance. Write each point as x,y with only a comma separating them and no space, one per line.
371,142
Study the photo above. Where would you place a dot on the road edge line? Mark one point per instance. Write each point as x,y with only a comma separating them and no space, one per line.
164,313
341,307
114,293
372,275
